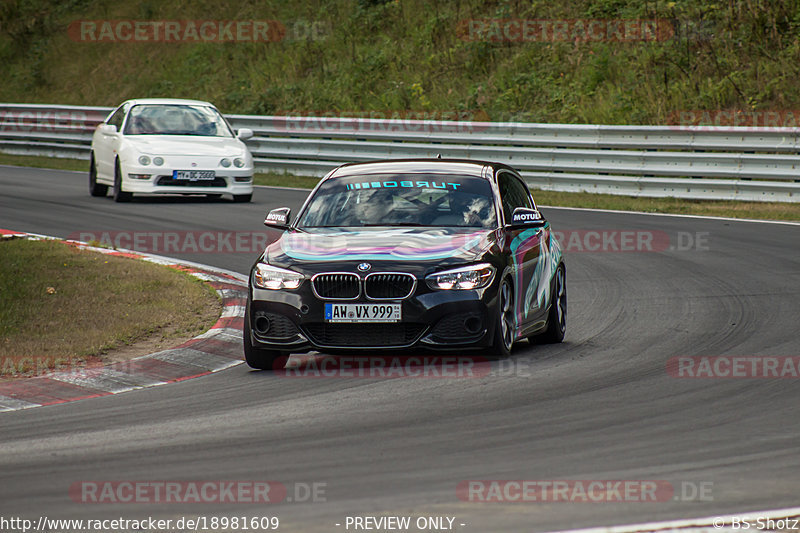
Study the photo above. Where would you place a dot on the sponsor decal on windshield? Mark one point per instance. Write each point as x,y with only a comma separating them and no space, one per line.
405,183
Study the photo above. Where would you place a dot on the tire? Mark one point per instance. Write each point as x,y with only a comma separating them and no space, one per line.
256,357
242,198
557,316
95,189
504,327
119,194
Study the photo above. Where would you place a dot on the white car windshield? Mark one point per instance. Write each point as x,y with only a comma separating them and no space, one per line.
176,119
402,200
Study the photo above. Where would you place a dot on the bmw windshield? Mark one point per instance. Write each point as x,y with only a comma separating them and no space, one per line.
402,200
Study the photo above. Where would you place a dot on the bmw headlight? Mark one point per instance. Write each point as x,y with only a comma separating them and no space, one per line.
269,277
465,278
144,160
239,162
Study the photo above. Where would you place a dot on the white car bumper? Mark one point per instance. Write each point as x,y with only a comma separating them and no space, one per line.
153,179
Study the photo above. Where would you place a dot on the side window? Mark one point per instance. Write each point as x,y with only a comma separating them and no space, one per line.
513,194
118,117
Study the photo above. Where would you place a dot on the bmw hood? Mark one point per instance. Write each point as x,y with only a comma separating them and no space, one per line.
392,245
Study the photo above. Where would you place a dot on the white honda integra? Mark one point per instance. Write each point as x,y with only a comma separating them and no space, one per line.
170,146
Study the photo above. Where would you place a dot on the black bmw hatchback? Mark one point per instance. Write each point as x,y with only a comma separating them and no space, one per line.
407,254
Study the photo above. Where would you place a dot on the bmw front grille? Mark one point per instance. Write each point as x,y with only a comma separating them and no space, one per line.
376,286
336,286
389,285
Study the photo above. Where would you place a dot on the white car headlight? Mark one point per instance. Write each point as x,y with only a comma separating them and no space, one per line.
269,277
158,161
225,162
239,162
465,278
144,160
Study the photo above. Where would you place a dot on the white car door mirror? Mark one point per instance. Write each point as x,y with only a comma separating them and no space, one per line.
244,133
108,129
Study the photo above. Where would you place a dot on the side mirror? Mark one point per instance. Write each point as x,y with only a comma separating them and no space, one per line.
278,218
522,217
108,129
244,133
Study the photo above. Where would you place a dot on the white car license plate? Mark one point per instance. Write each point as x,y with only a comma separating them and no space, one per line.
194,175
362,312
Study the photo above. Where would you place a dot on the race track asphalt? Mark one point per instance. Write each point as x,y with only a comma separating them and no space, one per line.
600,406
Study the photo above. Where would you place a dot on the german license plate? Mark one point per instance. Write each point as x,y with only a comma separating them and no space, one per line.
362,312
194,175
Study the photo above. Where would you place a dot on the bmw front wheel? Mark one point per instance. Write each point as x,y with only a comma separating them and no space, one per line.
504,326
256,357
557,317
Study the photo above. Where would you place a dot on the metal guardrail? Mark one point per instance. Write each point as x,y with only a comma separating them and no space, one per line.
686,162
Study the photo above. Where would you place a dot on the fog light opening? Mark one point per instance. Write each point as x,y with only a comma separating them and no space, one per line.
261,324
473,324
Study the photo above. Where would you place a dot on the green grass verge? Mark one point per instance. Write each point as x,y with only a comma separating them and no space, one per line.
275,179
61,303
34,161
717,208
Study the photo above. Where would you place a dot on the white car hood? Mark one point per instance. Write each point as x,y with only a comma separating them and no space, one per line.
187,145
